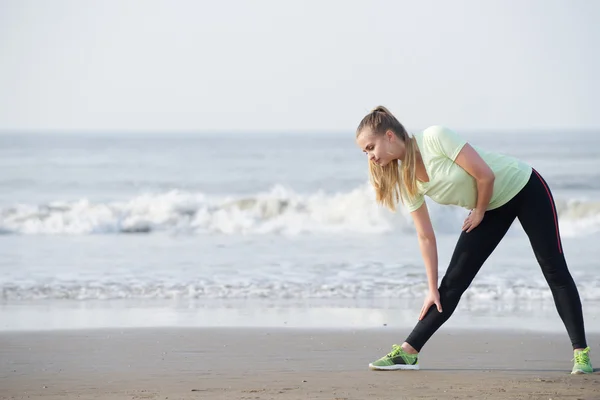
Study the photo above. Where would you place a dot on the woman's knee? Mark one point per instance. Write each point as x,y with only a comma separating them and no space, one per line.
555,270
453,286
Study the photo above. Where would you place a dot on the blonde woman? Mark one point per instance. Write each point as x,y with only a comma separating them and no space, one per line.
496,188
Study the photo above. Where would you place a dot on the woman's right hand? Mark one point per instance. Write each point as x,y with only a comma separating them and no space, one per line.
433,297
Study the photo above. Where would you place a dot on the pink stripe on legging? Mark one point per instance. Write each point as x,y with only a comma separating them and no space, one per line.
553,211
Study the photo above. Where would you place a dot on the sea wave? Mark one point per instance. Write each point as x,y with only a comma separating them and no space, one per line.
500,290
277,211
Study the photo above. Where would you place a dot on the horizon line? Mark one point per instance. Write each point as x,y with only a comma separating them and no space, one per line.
92,131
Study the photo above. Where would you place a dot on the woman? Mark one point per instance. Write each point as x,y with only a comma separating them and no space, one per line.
497,189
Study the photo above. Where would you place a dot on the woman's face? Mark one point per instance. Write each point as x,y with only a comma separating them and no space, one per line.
381,149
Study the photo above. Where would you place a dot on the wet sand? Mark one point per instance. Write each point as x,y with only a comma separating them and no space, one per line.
287,363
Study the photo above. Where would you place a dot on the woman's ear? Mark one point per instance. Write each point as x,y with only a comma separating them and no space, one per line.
390,135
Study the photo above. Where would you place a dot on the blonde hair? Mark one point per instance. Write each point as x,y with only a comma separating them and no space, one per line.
391,182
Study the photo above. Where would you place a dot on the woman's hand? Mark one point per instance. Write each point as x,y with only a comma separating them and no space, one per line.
433,297
473,219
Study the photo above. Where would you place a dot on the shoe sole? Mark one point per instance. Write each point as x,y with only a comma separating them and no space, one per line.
580,372
396,367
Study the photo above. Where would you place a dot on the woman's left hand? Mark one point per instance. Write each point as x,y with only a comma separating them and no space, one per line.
472,220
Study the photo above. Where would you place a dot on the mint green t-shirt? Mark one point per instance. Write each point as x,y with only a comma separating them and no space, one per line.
449,183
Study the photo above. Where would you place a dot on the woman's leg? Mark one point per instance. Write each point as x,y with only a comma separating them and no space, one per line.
539,219
471,251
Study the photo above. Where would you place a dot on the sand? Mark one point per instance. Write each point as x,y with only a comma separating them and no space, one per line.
231,363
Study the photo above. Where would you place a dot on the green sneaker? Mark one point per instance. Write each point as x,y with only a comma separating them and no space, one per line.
583,364
396,359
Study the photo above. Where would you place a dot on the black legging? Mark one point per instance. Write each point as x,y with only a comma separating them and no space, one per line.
534,206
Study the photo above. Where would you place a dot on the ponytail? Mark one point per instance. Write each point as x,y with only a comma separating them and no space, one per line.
391,182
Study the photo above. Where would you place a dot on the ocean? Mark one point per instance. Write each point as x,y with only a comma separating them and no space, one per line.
131,229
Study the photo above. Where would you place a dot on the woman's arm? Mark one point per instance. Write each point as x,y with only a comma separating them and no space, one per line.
428,246
472,162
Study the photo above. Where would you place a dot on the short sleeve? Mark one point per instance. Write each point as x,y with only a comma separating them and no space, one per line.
413,204
444,141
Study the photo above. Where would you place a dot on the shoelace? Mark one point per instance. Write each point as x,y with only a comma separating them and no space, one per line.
396,349
582,357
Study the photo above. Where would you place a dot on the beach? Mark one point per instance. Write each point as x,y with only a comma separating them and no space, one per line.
134,272
282,363
189,199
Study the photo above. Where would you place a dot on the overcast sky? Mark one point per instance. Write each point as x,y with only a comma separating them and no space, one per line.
282,65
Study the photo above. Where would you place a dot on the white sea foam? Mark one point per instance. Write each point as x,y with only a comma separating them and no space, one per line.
279,289
278,211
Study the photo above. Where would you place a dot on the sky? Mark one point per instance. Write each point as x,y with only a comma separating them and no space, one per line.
272,65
